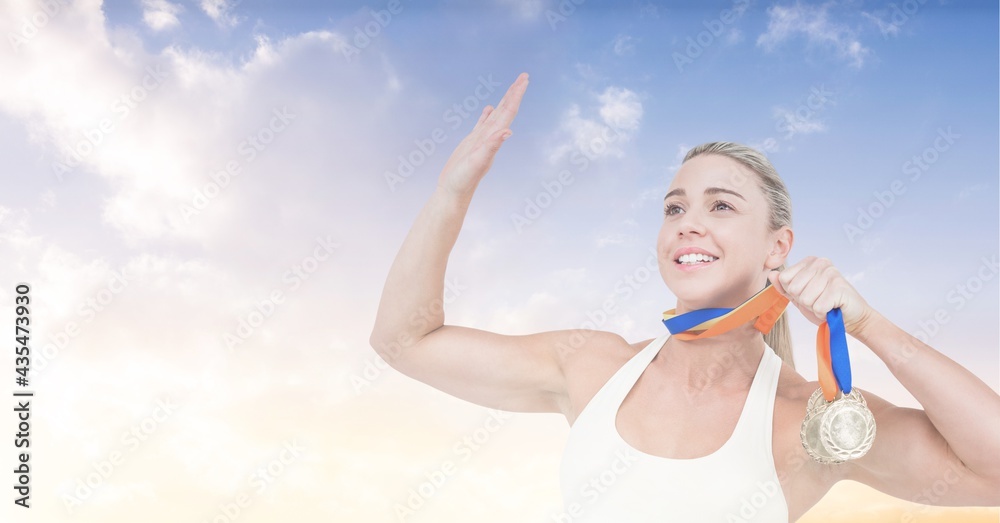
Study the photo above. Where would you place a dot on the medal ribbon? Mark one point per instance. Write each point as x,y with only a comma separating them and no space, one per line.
767,306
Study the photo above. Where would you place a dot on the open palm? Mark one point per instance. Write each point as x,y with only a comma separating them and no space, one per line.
474,155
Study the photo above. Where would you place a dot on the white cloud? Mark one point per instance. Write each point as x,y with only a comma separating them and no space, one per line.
160,14
793,123
649,9
620,108
886,28
221,12
587,72
970,191
812,22
734,36
620,113
184,129
768,146
15,234
623,45
161,147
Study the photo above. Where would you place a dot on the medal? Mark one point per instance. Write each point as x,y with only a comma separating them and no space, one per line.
847,429
837,431
838,426
809,434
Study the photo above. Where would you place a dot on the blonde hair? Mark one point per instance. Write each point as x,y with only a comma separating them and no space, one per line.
780,215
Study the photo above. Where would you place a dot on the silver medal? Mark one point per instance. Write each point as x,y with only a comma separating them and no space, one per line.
848,428
815,401
809,434
839,430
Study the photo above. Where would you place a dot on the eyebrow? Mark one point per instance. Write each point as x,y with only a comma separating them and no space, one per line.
710,190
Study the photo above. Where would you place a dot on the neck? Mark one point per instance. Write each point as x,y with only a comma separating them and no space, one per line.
732,298
728,360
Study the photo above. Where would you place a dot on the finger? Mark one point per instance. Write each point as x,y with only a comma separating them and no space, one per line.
513,102
812,295
488,121
505,111
812,280
837,294
473,136
485,114
787,277
510,89
482,154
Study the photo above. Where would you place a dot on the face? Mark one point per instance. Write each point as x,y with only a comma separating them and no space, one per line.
715,204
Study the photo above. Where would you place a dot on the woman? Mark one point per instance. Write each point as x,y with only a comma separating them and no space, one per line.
698,430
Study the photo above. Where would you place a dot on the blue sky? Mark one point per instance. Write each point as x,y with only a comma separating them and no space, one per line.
841,96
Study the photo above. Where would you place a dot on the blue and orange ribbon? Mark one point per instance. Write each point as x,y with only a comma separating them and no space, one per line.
767,306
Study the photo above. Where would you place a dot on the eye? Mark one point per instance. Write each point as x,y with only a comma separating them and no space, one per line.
667,210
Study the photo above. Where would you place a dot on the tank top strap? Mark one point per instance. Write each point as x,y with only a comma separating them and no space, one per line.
755,424
605,402
602,478
626,377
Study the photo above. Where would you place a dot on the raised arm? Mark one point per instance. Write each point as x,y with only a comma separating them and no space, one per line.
514,373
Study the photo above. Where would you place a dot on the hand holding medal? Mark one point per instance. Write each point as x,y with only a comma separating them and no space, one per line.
838,426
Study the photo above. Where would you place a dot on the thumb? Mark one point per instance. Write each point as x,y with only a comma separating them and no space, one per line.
497,139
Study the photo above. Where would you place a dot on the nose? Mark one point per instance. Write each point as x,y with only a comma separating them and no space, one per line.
689,223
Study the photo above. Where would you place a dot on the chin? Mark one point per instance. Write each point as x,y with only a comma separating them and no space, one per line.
690,291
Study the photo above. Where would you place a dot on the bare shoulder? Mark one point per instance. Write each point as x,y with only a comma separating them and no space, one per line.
587,367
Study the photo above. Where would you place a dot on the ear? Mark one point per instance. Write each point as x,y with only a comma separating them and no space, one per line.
781,245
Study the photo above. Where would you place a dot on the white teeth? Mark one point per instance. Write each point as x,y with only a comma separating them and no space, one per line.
691,259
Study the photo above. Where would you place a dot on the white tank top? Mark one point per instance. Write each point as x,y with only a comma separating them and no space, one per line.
605,479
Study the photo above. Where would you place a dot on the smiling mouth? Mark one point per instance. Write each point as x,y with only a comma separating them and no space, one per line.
695,261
